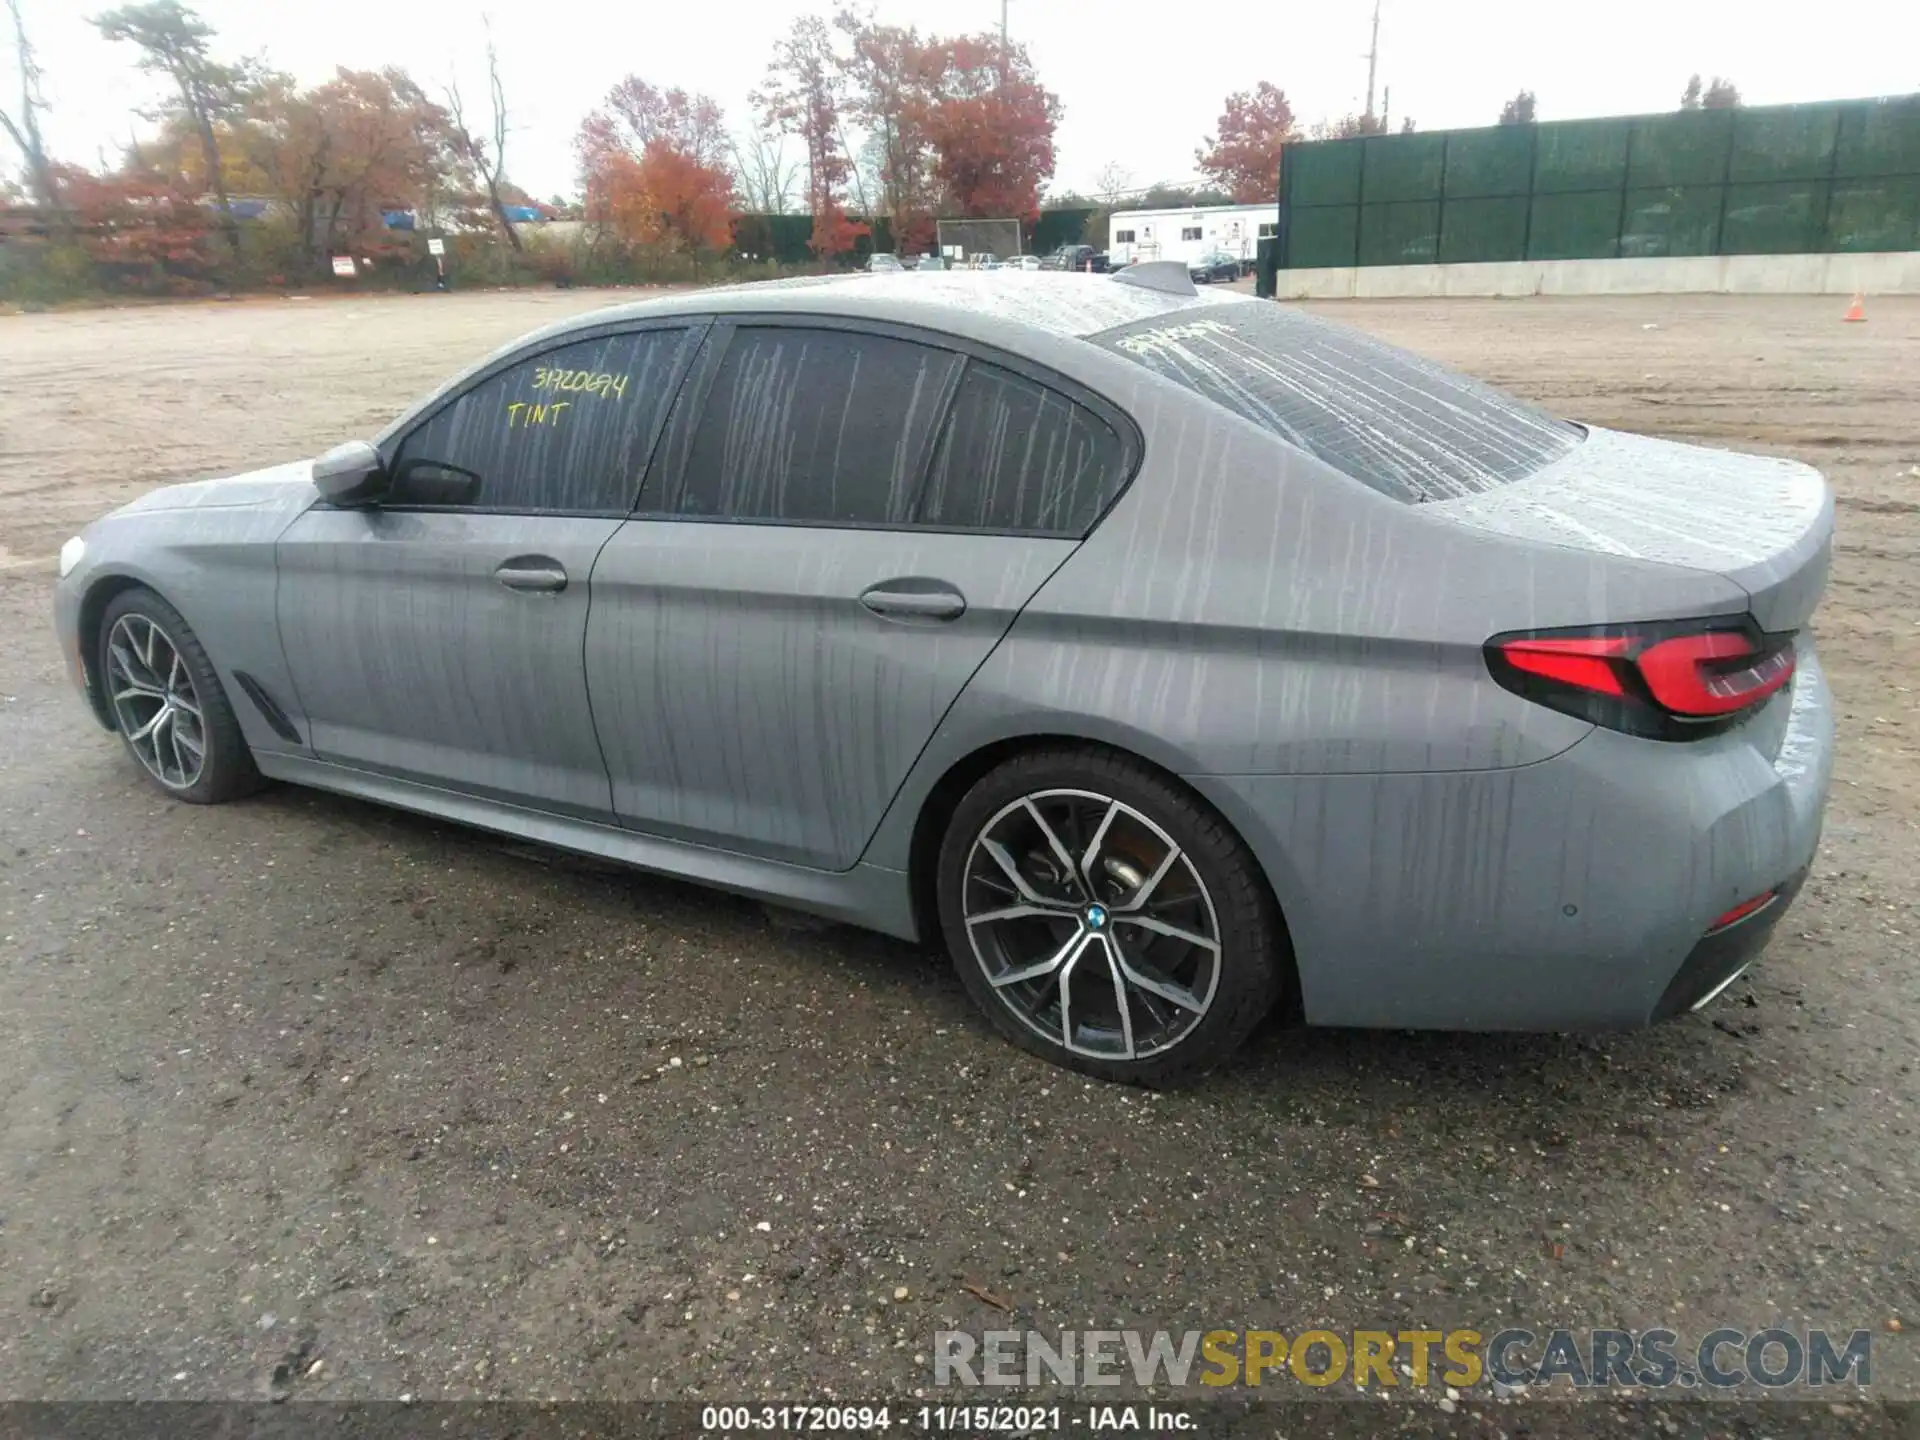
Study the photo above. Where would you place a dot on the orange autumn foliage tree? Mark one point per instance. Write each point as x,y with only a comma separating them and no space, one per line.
989,122
652,166
1243,153
138,227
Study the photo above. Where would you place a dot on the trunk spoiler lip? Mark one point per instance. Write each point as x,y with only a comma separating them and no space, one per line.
1761,522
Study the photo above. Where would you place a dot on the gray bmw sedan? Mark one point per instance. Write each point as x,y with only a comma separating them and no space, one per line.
1163,655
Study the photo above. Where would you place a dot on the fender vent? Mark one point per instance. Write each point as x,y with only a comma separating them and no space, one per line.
269,710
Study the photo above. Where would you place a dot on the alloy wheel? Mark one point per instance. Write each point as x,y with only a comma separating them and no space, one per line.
154,700
1091,925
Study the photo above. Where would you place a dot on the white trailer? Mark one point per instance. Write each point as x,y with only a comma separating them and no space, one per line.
1186,235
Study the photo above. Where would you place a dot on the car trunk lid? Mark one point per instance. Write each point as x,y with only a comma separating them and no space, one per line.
1763,523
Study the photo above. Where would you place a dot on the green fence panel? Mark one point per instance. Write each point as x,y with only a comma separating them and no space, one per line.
1671,220
1406,233
1322,235
1786,142
1402,167
1875,214
1879,137
1578,226
1784,179
1489,228
1494,161
1782,218
1580,155
1327,173
1688,147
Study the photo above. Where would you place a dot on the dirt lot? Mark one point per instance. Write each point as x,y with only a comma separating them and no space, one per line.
301,1077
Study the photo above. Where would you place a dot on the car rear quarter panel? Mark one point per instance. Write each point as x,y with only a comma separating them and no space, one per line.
1309,654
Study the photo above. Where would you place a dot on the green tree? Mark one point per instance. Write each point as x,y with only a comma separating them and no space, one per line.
174,41
1722,94
1520,110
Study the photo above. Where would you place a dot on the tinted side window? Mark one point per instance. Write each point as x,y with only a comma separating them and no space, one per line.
1018,456
568,429
823,426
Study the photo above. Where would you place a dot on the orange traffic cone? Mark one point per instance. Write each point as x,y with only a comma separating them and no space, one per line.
1857,311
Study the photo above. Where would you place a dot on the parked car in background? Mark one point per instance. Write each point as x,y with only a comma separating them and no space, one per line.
1026,262
1076,257
884,262
1162,655
933,262
1216,267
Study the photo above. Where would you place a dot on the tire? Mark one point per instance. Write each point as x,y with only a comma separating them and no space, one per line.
165,698
1060,950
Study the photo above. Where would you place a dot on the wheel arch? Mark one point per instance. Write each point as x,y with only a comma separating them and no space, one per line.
100,593
943,797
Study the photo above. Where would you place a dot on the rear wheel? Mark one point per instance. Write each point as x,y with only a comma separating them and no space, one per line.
1105,918
168,704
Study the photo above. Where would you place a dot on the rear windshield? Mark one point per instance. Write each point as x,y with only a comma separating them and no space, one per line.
1406,426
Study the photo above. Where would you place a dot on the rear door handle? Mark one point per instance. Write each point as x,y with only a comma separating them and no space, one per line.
914,599
536,574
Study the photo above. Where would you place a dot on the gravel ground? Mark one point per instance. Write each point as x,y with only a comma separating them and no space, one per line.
405,1109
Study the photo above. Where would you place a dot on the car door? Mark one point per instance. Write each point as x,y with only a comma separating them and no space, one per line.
840,524
436,636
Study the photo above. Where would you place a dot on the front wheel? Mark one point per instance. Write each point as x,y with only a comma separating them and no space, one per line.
1105,918
168,703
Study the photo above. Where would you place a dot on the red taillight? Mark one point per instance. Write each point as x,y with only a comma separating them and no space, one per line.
1583,661
1713,674
1742,911
1671,680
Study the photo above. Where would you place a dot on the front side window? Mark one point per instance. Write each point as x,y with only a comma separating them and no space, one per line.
1016,455
567,430
815,426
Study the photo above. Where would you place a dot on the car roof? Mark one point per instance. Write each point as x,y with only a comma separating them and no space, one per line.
1044,315
1061,304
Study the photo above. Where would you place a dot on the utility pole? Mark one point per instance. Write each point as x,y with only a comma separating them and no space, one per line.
1373,53
1003,42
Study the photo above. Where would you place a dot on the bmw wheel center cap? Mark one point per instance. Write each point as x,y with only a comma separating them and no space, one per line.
1096,917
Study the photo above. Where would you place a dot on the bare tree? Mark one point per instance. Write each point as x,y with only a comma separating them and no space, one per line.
24,129
762,172
488,157
1113,184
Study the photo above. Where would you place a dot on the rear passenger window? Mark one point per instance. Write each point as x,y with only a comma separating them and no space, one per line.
815,426
1016,455
566,430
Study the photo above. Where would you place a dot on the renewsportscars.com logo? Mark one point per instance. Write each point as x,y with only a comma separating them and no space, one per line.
1509,1360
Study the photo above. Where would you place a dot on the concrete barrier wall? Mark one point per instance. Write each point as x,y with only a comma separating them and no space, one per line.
1872,273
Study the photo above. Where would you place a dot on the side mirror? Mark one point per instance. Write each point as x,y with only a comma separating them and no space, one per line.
350,474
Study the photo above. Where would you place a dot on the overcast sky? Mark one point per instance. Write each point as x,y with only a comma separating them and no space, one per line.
1140,83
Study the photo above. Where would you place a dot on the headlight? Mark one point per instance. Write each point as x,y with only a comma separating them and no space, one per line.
70,554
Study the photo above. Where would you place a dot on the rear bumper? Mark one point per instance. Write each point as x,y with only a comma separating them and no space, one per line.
1571,894
1723,955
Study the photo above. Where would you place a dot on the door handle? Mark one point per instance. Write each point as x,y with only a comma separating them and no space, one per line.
914,599
535,574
